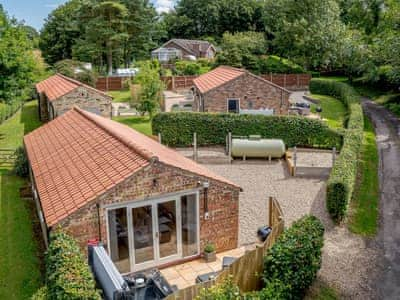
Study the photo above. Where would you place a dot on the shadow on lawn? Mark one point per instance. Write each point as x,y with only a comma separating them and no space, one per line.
30,116
22,247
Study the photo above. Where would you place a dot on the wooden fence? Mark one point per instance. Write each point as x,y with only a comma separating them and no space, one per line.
110,83
7,157
247,270
288,81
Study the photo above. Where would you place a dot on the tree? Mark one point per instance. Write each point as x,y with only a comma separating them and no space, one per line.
310,32
151,87
104,27
17,63
76,69
199,18
60,32
240,49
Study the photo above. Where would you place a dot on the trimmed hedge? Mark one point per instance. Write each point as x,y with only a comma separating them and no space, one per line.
342,179
292,263
21,166
177,129
67,273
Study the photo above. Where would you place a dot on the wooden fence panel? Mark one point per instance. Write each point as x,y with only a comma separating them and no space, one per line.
7,157
247,270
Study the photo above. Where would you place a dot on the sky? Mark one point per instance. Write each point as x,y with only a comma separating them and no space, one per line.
35,11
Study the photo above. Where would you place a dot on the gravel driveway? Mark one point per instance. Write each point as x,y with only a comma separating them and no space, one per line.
260,180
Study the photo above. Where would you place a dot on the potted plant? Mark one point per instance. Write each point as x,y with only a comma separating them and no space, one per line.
209,252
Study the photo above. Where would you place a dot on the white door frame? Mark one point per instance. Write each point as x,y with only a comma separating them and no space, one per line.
154,207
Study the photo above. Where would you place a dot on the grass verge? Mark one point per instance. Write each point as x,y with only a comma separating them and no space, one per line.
363,218
333,110
20,263
120,96
321,291
141,124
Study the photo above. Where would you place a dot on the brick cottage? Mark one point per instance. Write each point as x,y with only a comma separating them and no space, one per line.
227,89
58,94
150,206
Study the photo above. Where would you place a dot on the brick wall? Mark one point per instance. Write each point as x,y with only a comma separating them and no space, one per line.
86,99
253,93
223,203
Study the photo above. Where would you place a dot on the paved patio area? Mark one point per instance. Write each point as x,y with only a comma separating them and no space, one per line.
184,275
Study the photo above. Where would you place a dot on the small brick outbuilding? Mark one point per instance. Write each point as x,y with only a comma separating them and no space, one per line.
58,94
150,206
228,89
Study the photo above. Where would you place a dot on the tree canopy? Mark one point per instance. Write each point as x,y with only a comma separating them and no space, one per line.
18,67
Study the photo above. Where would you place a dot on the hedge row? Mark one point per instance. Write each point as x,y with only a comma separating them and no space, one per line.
292,263
67,273
177,129
343,176
7,110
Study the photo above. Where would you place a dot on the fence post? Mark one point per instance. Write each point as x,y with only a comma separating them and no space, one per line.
195,146
298,80
294,160
270,74
270,212
173,83
230,147
284,80
333,156
159,138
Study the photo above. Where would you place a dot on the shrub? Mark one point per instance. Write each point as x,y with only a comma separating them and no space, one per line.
21,166
225,291
184,67
276,64
67,273
295,258
177,129
342,179
41,294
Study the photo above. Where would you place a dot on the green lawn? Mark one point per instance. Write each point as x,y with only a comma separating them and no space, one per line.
336,78
333,110
20,264
141,124
120,96
363,218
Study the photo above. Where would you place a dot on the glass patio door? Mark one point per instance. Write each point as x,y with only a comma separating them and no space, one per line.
155,232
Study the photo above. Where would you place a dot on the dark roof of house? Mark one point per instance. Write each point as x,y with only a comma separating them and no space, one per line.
59,85
192,46
79,156
222,75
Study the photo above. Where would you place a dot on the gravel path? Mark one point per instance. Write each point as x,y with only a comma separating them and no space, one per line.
260,180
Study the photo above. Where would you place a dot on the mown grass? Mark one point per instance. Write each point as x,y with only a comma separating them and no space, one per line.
141,124
333,110
20,262
120,96
363,218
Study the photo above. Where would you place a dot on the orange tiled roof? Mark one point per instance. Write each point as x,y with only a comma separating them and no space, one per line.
79,156
59,85
217,77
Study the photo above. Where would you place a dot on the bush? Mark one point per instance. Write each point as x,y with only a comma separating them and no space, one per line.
276,64
67,273
342,179
21,166
292,263
177,129
41,294
225,291
184,67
